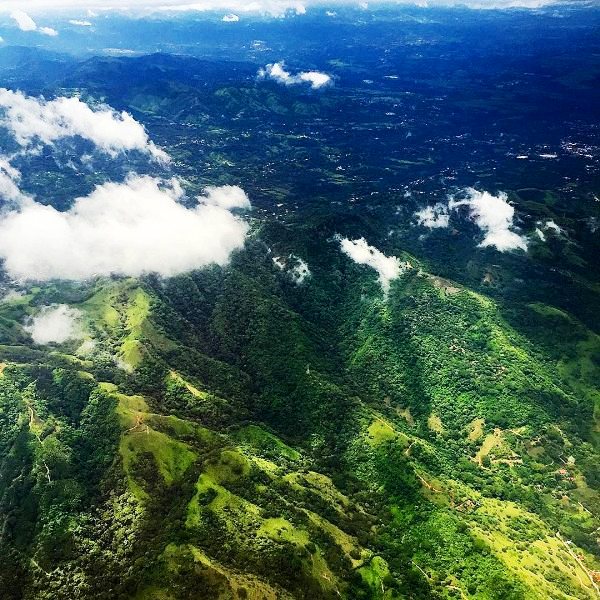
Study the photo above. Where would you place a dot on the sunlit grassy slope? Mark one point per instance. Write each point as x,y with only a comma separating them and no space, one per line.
208,447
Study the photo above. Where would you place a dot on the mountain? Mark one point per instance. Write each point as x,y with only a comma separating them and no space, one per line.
388,391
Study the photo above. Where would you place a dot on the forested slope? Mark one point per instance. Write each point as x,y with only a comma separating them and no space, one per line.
262,439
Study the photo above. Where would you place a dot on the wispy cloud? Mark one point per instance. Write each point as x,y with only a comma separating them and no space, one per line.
493,215
9,179
278,73
387,267
296,267
57,323
36,120
433,217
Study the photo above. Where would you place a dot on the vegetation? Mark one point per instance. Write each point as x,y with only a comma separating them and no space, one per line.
234,433
427,448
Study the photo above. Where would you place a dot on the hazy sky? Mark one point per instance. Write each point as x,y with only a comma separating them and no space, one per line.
276,7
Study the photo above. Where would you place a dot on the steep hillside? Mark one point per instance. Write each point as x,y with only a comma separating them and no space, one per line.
221,438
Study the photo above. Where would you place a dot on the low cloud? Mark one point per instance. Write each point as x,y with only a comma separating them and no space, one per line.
387,267
278,73
553,227
86,348
433,217
294,266
48,31
58,323
26,23
543,228
36,120
9,178
225,196
231,18
300,271
80,23
492,214
129,228
23,20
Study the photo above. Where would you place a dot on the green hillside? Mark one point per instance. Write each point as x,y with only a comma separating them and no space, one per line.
232,435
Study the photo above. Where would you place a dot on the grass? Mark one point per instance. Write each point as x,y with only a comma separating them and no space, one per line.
100,308
120,311
238,514
172,458
279,529
192,389
533,561
259,438
238,510
374,574
347,543
435,423
380,431
406,415
321,485
177,559
229,467
491,441
475,429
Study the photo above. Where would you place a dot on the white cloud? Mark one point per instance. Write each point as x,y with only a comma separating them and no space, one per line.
80,23
434,217
23,20
294,266
86,348
494,216
542,228
230,18
127,228
276,8
225,196
315,78
279,262
387,267
33,120
553,226
48,31
26,23
9,177
56,323
300,271
276,72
